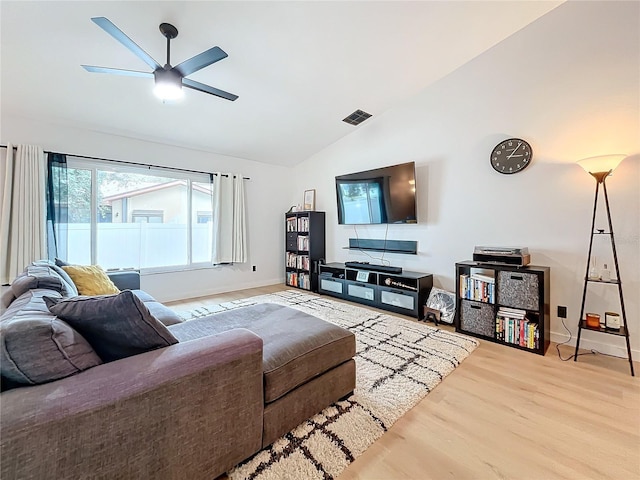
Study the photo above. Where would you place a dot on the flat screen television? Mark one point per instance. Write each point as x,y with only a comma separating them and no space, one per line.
381,195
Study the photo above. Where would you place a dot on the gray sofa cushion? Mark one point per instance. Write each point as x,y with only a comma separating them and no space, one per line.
116,326
69,286
164,314
36,347
297,346
43,275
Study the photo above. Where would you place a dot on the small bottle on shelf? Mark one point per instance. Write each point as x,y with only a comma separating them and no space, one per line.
605,275
593,270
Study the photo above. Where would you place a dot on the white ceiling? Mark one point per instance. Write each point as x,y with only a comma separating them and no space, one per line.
299,68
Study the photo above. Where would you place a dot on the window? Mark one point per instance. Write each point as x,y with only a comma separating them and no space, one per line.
134,217
147,216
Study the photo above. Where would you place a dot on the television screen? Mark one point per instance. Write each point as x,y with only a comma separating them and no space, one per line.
382,195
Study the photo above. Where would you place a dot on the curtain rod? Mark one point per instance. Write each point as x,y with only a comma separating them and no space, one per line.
134,163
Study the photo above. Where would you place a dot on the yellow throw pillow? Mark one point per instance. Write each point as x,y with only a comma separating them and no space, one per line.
91,280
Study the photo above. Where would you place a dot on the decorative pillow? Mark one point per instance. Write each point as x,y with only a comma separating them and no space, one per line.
90,279
36,347
116,326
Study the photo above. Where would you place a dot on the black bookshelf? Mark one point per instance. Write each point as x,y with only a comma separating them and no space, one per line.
304,248
488,295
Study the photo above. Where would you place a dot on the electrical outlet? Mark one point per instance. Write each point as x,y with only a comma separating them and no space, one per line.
562,312
254,268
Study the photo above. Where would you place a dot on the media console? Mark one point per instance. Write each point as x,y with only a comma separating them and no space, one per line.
403,293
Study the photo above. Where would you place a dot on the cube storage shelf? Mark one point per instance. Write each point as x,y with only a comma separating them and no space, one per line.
403,293
504,304
304,248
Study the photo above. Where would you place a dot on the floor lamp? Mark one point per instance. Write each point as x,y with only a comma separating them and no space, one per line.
600,168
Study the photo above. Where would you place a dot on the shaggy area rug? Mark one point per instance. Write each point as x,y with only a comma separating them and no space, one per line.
398,362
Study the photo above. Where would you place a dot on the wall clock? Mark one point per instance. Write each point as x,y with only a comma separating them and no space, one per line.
511,156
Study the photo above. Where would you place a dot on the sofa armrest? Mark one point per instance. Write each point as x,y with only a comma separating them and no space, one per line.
125,279
192,410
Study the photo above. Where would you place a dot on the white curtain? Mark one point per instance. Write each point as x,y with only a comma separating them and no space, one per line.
229,219
23,223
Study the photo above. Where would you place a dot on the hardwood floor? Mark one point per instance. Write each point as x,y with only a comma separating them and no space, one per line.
508,414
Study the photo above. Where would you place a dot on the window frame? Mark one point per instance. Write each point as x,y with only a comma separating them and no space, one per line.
93,165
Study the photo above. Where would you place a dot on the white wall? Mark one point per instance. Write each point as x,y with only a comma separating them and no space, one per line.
568,84
266,202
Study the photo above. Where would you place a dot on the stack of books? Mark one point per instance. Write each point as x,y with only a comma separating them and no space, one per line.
303,224
513,326
292,260
479,287
303,243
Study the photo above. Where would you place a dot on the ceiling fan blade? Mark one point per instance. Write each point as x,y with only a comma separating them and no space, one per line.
117,71
201,87
120,36
201,60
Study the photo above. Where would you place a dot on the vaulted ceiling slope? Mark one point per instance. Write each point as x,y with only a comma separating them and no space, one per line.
299,68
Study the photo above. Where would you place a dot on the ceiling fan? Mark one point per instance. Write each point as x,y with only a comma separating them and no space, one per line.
168,80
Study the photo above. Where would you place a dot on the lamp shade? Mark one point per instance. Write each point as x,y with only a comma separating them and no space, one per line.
601,164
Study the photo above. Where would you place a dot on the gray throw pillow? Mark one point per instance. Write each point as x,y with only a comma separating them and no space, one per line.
116,326
36,347
167,316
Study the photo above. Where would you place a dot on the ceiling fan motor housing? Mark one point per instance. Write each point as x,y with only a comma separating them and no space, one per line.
167,75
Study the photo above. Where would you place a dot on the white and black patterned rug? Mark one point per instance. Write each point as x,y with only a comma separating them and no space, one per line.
398,362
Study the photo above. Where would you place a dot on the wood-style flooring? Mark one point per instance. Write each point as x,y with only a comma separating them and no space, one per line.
508,414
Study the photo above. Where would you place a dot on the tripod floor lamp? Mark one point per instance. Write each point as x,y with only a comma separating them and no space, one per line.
600,168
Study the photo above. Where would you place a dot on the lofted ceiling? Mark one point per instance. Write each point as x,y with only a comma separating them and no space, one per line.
299,68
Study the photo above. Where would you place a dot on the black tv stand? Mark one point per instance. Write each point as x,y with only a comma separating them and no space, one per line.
375,267
404,292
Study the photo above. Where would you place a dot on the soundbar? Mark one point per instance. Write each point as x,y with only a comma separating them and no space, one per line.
373,267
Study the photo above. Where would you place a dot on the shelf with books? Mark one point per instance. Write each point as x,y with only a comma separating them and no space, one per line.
304,248
504,304
478,285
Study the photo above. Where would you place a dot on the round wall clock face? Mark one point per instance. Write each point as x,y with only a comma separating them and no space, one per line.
511,156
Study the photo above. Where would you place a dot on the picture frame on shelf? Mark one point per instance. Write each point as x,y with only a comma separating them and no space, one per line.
309,199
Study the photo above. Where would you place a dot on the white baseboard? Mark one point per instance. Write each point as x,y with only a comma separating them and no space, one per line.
205,292
619,349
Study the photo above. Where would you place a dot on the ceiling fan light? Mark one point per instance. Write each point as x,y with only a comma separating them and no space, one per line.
168,85
168,91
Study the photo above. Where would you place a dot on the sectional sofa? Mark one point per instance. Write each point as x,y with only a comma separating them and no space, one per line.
229,385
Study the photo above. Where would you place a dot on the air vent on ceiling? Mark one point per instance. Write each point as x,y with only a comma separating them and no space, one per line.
357,117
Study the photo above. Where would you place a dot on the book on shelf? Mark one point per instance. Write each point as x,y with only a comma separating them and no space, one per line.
483,278
291,224
512,312
300,280
303,243
475,289
303,224
303,262
292,260
522,332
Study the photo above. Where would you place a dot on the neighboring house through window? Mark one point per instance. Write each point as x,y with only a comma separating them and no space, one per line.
205,217
122,216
